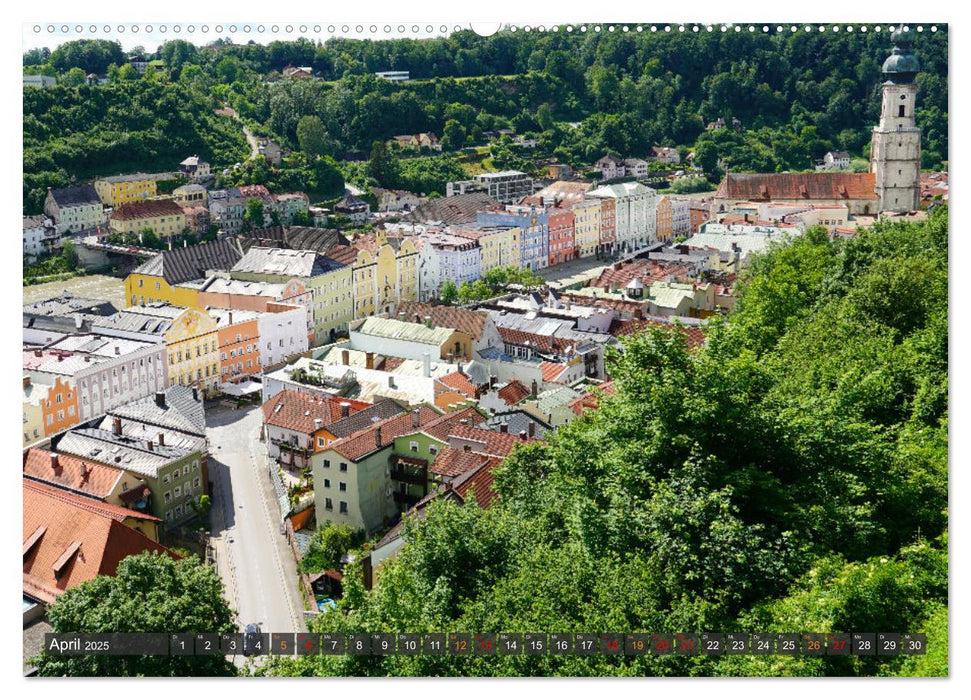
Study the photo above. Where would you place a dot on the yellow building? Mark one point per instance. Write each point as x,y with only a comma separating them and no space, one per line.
329,281
121,189
192,345
191,195
177,275
162,216
586,224
384,272
499,245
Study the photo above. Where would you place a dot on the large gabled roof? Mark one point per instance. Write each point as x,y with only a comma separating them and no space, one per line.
191,262
804,186
72,473
299,412
75,196
366,441
465,320
460,209
179,410
69,539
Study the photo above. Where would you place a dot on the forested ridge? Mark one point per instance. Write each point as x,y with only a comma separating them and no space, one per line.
797,96
789,476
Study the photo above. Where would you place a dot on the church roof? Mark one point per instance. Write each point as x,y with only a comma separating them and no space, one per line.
799,186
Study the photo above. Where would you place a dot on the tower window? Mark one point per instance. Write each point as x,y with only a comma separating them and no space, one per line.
900,111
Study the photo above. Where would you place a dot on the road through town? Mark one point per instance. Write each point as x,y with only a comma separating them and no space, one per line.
253,557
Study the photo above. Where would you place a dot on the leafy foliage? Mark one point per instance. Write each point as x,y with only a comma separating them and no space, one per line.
789,475
149,593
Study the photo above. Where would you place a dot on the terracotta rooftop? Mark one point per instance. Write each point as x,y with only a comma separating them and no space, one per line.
694,334
297,411
134,211
69,539
590,399
366,441
90,478
514,392
477,484
460,382
807,186
452,461
646,271
551,370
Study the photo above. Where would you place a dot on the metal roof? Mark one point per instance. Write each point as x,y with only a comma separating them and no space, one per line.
119,451
402,330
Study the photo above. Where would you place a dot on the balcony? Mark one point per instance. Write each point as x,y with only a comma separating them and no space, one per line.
406,500
409,476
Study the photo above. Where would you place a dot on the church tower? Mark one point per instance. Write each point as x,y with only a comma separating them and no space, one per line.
895,147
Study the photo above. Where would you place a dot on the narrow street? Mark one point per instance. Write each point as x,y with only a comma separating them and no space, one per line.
253,557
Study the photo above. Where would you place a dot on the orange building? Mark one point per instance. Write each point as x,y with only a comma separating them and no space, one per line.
60,409
608,223
664,219
239,344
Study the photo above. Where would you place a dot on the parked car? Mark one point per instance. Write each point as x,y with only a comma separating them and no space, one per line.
253,642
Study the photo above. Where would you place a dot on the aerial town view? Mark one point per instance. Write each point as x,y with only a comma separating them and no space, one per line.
601,350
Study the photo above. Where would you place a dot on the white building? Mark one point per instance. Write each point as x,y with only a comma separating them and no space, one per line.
636,207
282,333
107,372
39,81
459,259
74,209
40,235
506,186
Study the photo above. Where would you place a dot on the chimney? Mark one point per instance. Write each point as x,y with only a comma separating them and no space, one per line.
60,357
87,358
345,409
117,350
428,322
160,399
151,446
78,321
345,357
415,418
504,427
55,463
426,364
318,423
450,357
116,426
535,390
38,353
531,428
522,435
391,383
195,393
369,360
377,436
26,381
85,472
492,381
230,318
161,439
401,316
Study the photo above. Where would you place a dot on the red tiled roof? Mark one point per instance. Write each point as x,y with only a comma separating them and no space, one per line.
296,411
514,392
364,442
442,426
134,211
79,538
590,399
391,364
460,382
551,370
91,478
452,461
648,272
477,485
489,442
808,186
694,334
465,320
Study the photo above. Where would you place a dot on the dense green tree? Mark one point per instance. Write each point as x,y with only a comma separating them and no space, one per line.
312,136
329,543
149,593
90,55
